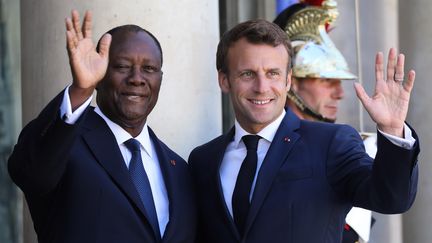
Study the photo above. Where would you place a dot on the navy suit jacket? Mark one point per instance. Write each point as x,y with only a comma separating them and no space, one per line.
78,187
312,175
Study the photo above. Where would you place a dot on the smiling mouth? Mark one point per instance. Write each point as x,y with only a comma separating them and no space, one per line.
133,96
260,102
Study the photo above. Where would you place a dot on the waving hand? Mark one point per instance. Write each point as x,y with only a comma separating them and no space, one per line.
388,106
87,65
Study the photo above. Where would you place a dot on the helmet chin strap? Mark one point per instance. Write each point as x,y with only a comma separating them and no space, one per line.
299,102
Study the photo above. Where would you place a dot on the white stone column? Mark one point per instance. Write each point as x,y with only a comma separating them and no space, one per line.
188,112
415,37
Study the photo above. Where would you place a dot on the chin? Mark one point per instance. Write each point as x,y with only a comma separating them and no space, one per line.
331,118
330,114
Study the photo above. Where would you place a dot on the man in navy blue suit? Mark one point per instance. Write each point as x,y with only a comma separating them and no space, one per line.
81,177
276,178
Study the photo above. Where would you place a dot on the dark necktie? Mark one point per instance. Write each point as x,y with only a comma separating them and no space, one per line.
140,179
240,199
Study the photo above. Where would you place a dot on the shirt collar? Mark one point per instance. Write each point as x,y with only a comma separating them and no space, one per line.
122,135
266,133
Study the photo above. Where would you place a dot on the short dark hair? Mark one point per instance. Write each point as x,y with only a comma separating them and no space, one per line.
134,29
255,31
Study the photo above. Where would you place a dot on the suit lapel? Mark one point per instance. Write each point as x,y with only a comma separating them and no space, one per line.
281,146
215,155
169,175
102,143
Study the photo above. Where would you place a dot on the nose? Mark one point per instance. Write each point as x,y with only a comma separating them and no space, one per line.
136,76
338,92
261,83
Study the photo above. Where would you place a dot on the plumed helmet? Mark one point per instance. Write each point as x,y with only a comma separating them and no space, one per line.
315,55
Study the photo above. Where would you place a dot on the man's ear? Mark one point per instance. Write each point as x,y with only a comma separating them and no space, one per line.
289,81
101,82
294,84
224,82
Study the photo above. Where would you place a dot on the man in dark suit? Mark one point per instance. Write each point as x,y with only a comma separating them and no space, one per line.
276,178
101,174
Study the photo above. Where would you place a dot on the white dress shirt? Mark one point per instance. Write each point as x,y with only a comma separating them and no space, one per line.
148,154
236,152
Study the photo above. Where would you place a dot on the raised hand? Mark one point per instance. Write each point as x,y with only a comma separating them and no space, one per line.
388,107
87,65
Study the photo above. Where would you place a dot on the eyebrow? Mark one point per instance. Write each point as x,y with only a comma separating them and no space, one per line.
274,69
120,57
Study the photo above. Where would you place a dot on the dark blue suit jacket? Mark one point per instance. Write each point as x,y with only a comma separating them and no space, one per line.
79,190
312,175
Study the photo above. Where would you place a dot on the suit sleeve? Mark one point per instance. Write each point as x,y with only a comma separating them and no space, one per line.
39,158
387,184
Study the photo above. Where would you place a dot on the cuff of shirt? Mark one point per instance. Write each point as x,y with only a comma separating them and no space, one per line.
66,108
407,142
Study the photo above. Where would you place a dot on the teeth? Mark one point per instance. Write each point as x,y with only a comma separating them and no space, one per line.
260,102
133,97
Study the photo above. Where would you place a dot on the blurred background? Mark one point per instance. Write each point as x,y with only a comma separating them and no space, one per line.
34,68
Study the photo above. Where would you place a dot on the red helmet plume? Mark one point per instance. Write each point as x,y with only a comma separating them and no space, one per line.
313,2
319,4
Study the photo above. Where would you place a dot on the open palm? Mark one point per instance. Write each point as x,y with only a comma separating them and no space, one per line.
88,66
388,107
